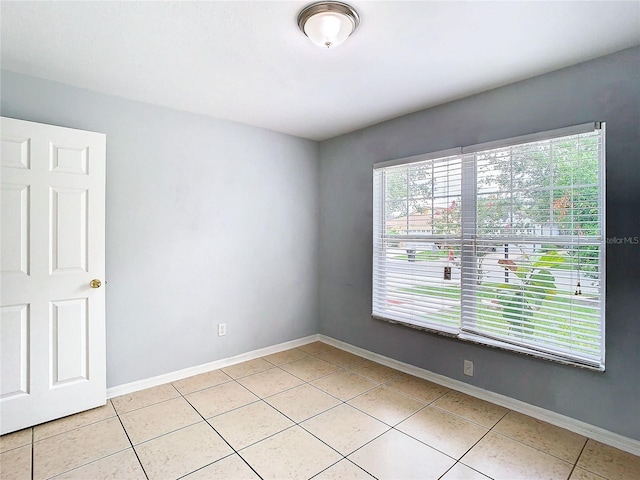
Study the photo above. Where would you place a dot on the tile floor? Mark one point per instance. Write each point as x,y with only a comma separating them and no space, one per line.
309,412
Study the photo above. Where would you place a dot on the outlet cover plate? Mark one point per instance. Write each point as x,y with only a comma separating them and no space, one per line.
468,368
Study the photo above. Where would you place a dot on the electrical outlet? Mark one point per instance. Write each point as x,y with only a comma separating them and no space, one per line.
468,368
222,329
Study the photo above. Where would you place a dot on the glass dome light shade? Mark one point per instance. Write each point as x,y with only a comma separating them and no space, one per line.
328,29
328,24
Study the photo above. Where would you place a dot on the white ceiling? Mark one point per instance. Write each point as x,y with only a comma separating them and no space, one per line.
247,61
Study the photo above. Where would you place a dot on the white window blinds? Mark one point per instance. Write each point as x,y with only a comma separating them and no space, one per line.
418,233
503,244
536,243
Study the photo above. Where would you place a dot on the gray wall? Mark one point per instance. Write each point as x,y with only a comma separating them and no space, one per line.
208,221
606,89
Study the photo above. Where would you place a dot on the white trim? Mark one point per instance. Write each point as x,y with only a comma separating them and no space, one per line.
127,388
582,428
596,433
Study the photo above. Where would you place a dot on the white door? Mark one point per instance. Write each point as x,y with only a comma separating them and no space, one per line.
52,322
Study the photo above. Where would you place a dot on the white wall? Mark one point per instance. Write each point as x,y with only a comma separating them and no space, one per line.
208,221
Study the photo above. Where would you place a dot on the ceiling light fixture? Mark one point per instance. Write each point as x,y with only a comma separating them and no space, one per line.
328,24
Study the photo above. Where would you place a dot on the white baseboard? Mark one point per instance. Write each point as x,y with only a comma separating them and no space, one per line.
205,367
600,434
596,433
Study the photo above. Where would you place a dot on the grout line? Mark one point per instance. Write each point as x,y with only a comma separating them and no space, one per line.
458,462
575,465
473,446
33,447
69,431
202,389
345,459
72,429
222,437
535,447
325,469
145,406
449,469
132,446
87,463
431,446
468,420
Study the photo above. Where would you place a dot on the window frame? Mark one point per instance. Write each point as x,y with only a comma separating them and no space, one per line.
468,240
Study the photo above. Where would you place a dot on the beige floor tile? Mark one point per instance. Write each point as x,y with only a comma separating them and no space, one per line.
609,462
220,399
387,405
243,369
443,431
310,368
417,388
155,420
582,474
344,428
343,470
293,453
462,472
15,439
395,455
202,381
557,441
144,398
287,356
69,450
316,348
73,421
247,425
341,358
119,466
270,382
375,371
181,452
344,384
231,467
15,464
502,458
302,402
483,413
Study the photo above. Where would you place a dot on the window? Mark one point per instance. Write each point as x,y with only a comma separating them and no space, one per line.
500,243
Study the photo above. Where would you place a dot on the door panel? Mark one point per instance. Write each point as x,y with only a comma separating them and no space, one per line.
52,325
69,341
69,249
14,240
14,152
14,334
69,160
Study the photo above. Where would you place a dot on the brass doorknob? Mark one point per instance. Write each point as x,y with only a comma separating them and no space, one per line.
95,283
